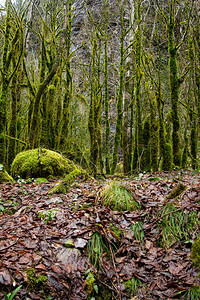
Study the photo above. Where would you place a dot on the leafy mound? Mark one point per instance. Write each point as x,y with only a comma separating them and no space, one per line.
40,163
118,197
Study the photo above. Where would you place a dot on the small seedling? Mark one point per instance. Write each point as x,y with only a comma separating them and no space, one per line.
10,296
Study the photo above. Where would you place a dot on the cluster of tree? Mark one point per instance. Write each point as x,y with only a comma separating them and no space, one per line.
72,71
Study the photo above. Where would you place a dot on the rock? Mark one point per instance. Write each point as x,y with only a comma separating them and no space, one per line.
68,255
54,200
40,163
80,243
4,176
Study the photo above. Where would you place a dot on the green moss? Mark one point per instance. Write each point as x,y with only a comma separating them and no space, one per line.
59,188
132,285
35,282
63,186
177,191
40,163
4,176
167,157
91,288
146,137
195,254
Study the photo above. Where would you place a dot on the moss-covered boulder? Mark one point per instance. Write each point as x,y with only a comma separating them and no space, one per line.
40,163
4,176
195,253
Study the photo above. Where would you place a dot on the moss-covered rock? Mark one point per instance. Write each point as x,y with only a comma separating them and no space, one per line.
64,185
4,176
40,163
195,254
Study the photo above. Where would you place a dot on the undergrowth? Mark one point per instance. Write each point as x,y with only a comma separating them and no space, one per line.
177,226
132,286
95,248
118,197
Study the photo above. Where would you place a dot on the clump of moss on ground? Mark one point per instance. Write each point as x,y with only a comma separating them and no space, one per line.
4,176
64,185
195,254
40,163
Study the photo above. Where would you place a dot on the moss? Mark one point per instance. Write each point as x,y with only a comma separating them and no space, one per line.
40,163
91,287
63,186
195,253
58,189
35,282
4,176
146,137
153,137
167,158
132,285
176,191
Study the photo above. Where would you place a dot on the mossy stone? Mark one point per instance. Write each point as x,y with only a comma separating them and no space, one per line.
195,253
40,163
4,176
59,188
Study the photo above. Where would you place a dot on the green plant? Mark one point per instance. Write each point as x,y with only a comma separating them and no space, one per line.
50,216
116,232
47,215
95,249
118,197
132,285
35,281
138,231
177,226
192,294
92,287
10,296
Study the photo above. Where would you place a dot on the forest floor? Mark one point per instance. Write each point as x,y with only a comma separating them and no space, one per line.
44,240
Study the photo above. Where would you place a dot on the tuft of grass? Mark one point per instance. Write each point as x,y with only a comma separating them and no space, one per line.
177,226
138,231
95,248
132,286
118,197
192,294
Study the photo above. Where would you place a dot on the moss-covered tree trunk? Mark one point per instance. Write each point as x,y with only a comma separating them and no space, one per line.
174,87
12,36
153,137
14,110
68,79
118,128
106,101
99,106
138,122
36,120
125,149
93,112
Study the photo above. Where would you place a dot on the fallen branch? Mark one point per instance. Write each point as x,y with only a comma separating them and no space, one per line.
169,213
